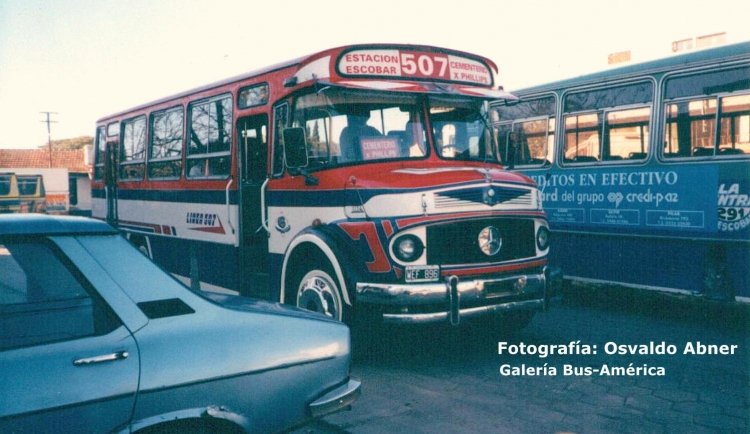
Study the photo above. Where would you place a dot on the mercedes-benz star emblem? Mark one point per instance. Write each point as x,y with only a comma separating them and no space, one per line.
490,240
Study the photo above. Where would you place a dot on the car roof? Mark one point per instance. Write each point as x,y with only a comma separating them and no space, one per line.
42,224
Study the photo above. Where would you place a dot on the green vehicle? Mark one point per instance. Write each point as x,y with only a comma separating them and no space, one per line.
31,193
10,201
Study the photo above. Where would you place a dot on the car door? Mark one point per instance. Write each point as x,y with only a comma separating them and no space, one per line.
68,364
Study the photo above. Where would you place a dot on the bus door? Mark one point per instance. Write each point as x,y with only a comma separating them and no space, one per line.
252,137
110,181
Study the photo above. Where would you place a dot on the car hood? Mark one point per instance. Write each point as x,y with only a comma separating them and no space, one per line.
248,304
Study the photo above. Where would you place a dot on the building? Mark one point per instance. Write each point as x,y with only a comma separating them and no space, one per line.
67,175
677,47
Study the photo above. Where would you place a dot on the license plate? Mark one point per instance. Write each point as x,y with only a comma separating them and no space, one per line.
422,273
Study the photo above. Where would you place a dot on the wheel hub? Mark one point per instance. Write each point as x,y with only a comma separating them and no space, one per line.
318,294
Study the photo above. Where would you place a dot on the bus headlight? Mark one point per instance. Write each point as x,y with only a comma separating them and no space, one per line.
542,238
408,248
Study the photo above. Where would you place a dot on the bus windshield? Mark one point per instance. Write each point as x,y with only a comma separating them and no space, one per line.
460,129
345,127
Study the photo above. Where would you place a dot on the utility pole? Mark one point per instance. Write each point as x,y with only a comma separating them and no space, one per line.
49,133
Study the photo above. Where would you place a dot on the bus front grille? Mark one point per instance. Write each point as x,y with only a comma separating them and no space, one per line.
457,243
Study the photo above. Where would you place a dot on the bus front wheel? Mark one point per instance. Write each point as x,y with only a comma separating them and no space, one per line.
318,290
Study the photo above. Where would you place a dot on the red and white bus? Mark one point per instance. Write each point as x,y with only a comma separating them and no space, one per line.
358,177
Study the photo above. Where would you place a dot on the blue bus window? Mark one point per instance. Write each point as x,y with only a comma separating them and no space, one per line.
532,124
626,134
690,128
709,83
582,137
527,109
640,93
734,128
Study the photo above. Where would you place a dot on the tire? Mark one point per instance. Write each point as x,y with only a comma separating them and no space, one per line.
141,243
143,249
317,289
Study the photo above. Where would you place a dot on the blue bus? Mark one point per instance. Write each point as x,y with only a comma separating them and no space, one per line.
644,171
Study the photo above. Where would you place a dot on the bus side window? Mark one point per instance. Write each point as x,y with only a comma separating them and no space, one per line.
608,124
695,103
526,132
582,138
133,150
734,125
626,134
99,155
165,148
210,138
534,141
690,128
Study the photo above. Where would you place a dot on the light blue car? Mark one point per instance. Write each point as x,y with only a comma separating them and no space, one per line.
95,338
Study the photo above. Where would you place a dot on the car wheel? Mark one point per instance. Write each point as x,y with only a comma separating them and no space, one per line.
318,290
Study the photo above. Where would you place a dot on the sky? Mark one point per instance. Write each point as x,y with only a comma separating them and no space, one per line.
85,59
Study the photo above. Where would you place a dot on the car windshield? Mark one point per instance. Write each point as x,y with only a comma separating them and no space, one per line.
5,184
460,129
27,185
343,127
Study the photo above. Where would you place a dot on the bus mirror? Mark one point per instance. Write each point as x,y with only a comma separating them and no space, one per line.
295,147
513,138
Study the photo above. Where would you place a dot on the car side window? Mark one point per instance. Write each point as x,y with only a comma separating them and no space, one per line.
44,299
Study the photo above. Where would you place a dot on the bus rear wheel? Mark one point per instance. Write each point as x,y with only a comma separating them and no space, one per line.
318,290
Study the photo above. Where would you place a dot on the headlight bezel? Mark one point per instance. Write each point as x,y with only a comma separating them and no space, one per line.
542,238
399,248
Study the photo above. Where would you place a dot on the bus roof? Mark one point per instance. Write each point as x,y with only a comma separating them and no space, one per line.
696,58
357,66
206,87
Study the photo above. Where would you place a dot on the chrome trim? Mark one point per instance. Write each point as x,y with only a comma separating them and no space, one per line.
120,355
337,399
476,196
229,208
454,292
429,293
263,210
454,298
419,318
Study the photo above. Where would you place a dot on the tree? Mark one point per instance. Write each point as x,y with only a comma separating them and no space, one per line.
71,144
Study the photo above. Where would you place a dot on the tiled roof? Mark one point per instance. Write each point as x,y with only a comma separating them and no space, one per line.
73,160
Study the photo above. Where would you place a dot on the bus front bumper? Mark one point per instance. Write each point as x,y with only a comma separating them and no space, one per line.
454,299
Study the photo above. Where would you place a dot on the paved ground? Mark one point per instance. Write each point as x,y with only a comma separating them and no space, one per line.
427,381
